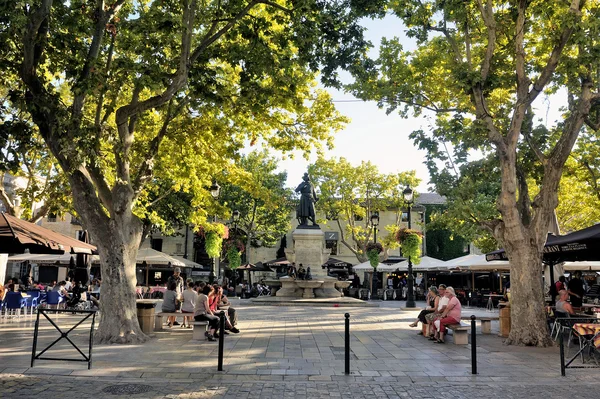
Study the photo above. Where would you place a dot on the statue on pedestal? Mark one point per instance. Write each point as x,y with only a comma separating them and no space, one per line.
306,209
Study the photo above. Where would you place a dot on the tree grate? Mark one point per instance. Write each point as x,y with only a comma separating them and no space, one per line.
127,389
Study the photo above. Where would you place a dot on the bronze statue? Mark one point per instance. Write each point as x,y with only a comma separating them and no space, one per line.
308,197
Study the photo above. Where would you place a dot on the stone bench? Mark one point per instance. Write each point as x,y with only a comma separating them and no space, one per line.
460,333
200,327
486,323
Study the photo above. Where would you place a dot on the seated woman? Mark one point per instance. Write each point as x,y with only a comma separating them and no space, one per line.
231,313
432,299
202,311
451,315
214,302
562,305
188,302
170,300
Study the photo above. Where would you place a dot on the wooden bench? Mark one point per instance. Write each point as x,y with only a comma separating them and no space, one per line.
460,333
200,327
486,323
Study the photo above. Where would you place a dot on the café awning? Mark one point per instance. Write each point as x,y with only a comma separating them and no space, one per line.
581,245
63,259
17,236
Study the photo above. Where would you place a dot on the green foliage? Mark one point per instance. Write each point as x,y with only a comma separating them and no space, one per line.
467,85
250,78
213,244
260,195
373,256
234,258
350,194
410,242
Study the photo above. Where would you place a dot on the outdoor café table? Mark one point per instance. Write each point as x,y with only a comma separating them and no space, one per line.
583,330
158,289
490,302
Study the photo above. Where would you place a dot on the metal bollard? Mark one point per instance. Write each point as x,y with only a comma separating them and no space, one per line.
221,339
347,354
562,353
473,345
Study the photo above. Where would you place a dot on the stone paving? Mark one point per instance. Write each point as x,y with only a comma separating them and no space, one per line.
290,352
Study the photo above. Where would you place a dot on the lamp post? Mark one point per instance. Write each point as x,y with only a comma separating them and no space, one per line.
374,279
235,216
407,194
215,191
375,223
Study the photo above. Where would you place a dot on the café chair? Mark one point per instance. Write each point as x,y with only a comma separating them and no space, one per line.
54,298
32,301
14,303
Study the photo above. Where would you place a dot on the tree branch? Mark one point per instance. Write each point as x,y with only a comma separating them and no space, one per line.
145,170
552,63
487,13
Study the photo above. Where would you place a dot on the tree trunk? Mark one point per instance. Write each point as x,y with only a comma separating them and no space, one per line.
118,238
528,318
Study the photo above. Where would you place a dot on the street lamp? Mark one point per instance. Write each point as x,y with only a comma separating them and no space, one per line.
215,191
407,194
374,279
375,223
235,215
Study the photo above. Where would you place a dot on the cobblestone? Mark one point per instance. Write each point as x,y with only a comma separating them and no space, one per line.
286,352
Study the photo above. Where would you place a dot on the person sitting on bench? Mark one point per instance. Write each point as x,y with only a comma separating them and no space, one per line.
450,316
202,312
189,300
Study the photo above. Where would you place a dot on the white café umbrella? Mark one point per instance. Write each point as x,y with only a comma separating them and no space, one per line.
187,262
581,266
366,267
154,257
477,263
427,264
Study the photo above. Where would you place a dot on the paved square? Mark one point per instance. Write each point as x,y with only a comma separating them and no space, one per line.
291,352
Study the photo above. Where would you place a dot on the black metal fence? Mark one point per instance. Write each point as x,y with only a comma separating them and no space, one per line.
583,337
63,335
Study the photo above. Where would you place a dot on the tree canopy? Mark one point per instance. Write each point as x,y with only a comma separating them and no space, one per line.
125,91
479,68
263,202
350,194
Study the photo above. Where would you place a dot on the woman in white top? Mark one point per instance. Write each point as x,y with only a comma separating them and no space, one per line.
188,303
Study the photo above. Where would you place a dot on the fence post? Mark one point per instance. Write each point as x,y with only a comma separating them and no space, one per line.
35,335
347,352
562,352
473,345
221,339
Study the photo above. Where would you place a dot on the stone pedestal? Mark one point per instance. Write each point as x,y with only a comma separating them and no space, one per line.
309,250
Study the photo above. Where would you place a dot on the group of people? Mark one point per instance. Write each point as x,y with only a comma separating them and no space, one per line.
443,309
200,301
70,291
300,273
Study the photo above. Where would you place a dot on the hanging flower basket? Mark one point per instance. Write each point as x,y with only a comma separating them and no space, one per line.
234,249
213,238
373,251
410,241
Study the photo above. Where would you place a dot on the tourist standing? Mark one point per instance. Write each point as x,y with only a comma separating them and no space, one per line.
576,290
